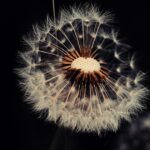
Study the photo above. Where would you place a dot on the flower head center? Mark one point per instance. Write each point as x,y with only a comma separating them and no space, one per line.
86,64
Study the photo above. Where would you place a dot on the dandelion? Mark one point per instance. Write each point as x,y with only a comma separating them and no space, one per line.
78,70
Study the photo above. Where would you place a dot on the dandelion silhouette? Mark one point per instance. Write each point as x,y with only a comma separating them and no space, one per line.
78,70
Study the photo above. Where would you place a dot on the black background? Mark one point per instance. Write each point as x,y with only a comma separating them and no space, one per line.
23,129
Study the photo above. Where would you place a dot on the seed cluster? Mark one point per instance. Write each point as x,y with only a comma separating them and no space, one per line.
80,73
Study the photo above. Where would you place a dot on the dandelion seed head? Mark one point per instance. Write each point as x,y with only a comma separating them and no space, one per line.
78,70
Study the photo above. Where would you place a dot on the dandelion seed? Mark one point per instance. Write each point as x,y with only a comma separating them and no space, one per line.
79,78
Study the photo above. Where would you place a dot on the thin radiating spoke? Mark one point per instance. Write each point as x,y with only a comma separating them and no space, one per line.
59,48
67,37
52,78
49,53
76,35
69,92
59,92
83,33
58,40
95,35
